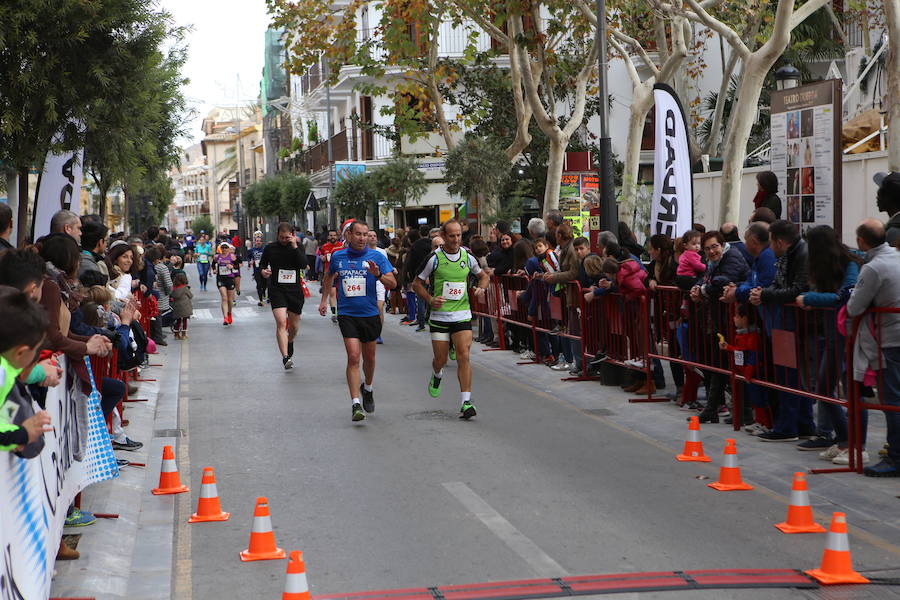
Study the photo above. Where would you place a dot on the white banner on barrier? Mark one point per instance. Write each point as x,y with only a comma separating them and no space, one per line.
59,187
35,493
673,185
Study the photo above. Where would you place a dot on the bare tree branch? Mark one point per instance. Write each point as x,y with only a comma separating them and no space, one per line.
727,33
629,64
630,41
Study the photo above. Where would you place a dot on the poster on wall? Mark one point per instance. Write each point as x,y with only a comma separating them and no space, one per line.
578,192
806,153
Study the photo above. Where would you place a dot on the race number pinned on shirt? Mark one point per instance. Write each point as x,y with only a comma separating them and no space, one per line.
739,358
354,286
454,290
287,276
224,270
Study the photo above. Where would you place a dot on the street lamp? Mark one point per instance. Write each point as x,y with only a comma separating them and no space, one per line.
787,77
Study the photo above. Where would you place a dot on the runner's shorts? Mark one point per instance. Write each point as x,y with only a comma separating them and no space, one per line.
441,331
281,298
365,329
380,292
225,282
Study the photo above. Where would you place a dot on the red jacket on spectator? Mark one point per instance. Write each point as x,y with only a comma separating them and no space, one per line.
630,279
745,347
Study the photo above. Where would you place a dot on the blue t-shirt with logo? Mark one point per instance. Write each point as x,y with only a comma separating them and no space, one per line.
356,296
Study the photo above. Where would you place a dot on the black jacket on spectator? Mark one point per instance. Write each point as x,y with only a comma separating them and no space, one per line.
772,202
791,276
731,268
501,260
419,251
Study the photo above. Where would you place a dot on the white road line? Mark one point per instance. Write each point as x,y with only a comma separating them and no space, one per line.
203,314
536,558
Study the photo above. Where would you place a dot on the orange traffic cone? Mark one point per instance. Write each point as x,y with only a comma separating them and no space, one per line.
295,586
169,482
262,538
693,447
799,515
730,472
208,508
836,564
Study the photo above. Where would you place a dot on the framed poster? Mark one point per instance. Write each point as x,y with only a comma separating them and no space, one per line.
578,193
806,153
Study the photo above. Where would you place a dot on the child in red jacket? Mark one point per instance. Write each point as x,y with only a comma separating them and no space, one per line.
746,348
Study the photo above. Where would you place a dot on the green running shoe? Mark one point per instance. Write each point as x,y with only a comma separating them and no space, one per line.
80,518
434,386
358,414
452,353
467,411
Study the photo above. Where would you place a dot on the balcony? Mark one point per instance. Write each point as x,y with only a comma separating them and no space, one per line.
316,157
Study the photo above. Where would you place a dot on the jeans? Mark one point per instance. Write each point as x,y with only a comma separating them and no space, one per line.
203,271
486,327
411,306
891,397
420,311
794,412
111,392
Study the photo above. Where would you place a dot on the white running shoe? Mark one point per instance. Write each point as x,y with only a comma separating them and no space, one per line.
844,457
831,453
561,366
637,363
755,429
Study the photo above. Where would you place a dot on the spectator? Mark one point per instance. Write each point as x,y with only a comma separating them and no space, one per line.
182,306
762,264
479,249
569,266
888,201
791,280
536,228
628,240
878,286
661,271
604,239
309,246
151,235
500,260
164,288
122,267
831,279
93,247
730,232
767,193
553,219
690,266
763,215
23,270
6,226
65,221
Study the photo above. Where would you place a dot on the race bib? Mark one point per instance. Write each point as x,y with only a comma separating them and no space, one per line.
224,270
739,358
287,276
204,258
354,286
454,290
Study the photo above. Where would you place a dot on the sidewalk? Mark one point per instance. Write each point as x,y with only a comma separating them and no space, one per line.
131,556
870,503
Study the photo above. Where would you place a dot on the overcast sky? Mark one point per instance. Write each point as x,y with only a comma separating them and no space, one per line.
227,41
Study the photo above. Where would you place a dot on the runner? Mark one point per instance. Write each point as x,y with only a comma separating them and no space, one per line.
225,272
356,270
204,257
380,292
286,260
332,244
253,257
448,268
189,246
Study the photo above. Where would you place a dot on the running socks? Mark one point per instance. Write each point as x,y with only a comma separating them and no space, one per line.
466,396
368,387
439,374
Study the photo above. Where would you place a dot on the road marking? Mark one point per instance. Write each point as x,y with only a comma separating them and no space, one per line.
183,556
202,314
518,542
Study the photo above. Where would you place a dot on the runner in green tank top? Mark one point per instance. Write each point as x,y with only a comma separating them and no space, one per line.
448,270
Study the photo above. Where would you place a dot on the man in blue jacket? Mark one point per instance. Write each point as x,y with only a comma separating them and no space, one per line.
762,264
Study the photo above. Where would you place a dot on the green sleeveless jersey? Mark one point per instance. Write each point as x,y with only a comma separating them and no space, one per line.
450,279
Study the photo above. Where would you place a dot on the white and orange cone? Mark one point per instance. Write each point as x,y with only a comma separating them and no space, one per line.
837,566
730,473
208,507
169,481
262,538
295,585
799,515
693,447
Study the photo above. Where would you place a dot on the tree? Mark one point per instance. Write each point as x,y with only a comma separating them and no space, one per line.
399,183
294,193
201,223
57,60
475,170
355,195
755,65
152,193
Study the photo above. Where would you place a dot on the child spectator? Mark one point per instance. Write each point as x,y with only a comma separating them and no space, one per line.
22,327
745,347
690,266
181,304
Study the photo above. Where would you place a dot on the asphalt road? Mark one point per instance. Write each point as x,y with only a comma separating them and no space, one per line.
413,497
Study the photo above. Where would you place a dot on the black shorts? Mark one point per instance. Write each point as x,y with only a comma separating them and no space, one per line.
451,328
364,329
225,282
281,298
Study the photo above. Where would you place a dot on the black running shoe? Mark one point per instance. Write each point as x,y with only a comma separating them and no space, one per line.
287,363
368,400
290,349
358,414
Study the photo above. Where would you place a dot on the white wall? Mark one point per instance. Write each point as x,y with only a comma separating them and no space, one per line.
858,192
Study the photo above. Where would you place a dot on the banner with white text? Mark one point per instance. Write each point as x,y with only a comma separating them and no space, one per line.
673,185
